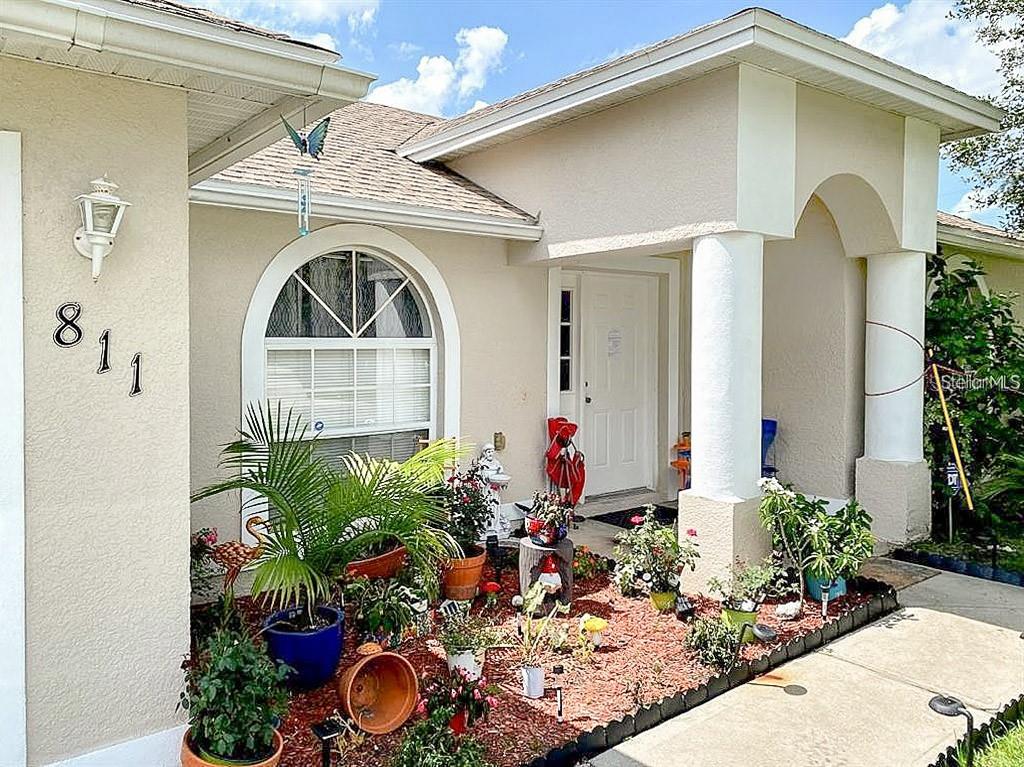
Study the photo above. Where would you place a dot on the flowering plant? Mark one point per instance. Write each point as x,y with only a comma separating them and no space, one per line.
651,557
202,569
459,692
469,505
550,510
587,564
491,590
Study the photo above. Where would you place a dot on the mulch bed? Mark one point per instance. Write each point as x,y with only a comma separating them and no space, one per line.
643,660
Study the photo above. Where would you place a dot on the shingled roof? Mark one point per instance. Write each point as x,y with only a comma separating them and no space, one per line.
360,161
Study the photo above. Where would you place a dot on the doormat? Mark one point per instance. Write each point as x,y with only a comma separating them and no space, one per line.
664,514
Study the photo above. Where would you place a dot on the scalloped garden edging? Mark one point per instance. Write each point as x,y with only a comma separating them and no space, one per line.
959,566
1008,716
589,744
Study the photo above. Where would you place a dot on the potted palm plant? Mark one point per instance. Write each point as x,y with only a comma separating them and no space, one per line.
234,696
469,506
319,519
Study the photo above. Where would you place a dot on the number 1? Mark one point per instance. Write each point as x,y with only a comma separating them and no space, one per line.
136,375
104,352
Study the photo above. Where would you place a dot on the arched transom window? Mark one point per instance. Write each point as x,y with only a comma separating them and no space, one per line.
350,347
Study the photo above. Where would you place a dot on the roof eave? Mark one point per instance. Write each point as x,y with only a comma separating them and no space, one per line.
334,206
980,242
745,36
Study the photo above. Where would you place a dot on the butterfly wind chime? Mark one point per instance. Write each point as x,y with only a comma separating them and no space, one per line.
312,144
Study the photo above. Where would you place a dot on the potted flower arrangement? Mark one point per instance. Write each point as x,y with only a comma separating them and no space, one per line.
465,640
535,634
650,559
745,591
469,507
548,520
321,518
234,696
470,698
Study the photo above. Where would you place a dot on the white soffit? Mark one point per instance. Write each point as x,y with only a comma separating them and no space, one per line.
756,37
238,83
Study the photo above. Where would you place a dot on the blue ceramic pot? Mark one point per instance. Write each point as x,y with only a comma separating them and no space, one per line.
313,654
816,588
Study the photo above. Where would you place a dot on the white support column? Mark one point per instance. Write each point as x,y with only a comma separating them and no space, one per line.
726,403
893,480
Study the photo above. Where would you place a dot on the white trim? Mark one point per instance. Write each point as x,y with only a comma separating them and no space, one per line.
335,206
755,36
158,749
981,242
382,243
13,748
667,267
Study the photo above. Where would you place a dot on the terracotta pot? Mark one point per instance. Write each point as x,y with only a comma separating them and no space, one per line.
462,576
387,565
379,691
189,758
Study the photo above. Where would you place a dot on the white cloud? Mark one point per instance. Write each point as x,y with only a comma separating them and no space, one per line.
480,50
478,104
405,50
969,206
922,36
440,84
322,39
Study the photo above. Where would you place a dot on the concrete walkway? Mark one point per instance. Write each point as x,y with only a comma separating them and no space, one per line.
862,700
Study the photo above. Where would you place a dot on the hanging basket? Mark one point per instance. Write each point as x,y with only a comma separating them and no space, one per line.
379,691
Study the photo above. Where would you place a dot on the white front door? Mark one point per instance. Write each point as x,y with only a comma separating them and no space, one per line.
619,358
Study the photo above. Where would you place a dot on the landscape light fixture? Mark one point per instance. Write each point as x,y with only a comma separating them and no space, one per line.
495,554
948,706
761,632
102,211
684,608
326,731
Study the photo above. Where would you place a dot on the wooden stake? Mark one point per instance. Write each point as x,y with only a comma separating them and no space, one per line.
952,438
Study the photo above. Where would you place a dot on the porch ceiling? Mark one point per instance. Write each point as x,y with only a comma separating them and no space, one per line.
238,79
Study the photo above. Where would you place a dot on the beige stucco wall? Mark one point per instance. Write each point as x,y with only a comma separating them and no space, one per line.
106,476
502,315
1005,275
813,352
648,167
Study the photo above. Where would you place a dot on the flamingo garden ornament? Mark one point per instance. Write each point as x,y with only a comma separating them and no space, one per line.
234,555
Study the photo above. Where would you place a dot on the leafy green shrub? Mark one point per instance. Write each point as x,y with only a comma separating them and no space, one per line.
468,503
431,743
384,608
233,694
713,642
651,558
466,633
749,585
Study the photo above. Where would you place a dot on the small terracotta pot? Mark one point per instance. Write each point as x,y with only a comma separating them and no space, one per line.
379,691
387,565
462,576
189,758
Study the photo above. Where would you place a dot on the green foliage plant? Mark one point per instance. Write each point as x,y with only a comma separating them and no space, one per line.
430,742
748,585
713,641
650,558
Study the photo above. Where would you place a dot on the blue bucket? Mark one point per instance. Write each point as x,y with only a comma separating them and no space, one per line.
816,588
769,428
313,655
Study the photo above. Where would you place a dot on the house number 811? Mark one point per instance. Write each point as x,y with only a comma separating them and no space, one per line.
69,333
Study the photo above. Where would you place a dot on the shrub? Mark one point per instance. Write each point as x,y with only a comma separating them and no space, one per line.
233,695
713,642
651,558
749,585
466,499
586,564
384,608
431,743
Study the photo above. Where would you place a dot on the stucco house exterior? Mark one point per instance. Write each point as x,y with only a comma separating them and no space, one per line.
688,238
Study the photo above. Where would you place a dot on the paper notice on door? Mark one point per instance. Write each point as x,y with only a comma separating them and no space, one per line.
614,342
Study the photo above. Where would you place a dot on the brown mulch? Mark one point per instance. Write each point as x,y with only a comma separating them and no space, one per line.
643,660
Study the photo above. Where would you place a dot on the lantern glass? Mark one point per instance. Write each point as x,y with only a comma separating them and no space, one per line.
103,217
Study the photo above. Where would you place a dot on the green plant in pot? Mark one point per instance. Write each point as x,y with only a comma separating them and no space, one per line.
320,518
837,545
469,508
465,639
384,610
745,590
234,696
650,560
536,634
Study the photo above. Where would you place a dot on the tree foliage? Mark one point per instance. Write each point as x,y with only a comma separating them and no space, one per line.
977,334
995,162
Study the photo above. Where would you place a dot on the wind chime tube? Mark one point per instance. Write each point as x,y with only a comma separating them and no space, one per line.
302,199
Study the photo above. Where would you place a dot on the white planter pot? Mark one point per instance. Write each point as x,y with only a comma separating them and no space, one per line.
533,681
469,662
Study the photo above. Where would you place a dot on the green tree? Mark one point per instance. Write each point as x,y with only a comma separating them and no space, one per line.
994,162
977,334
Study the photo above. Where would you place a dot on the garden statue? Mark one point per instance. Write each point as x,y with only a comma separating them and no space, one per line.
234,555
493,475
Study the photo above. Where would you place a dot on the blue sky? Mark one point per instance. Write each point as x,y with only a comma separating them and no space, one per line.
445,57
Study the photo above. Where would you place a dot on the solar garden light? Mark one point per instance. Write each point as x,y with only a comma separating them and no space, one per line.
326,731
761,632
495,554
102,211
947,706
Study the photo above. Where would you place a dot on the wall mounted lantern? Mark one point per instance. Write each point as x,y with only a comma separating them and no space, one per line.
102,211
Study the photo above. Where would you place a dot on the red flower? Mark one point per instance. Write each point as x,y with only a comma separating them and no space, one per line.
490,587
692,533
636,519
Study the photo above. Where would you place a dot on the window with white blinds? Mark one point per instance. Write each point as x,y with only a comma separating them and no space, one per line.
349,348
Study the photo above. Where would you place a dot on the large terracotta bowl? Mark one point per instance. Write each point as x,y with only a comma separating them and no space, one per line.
386,565
379,691
190,759
462,576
